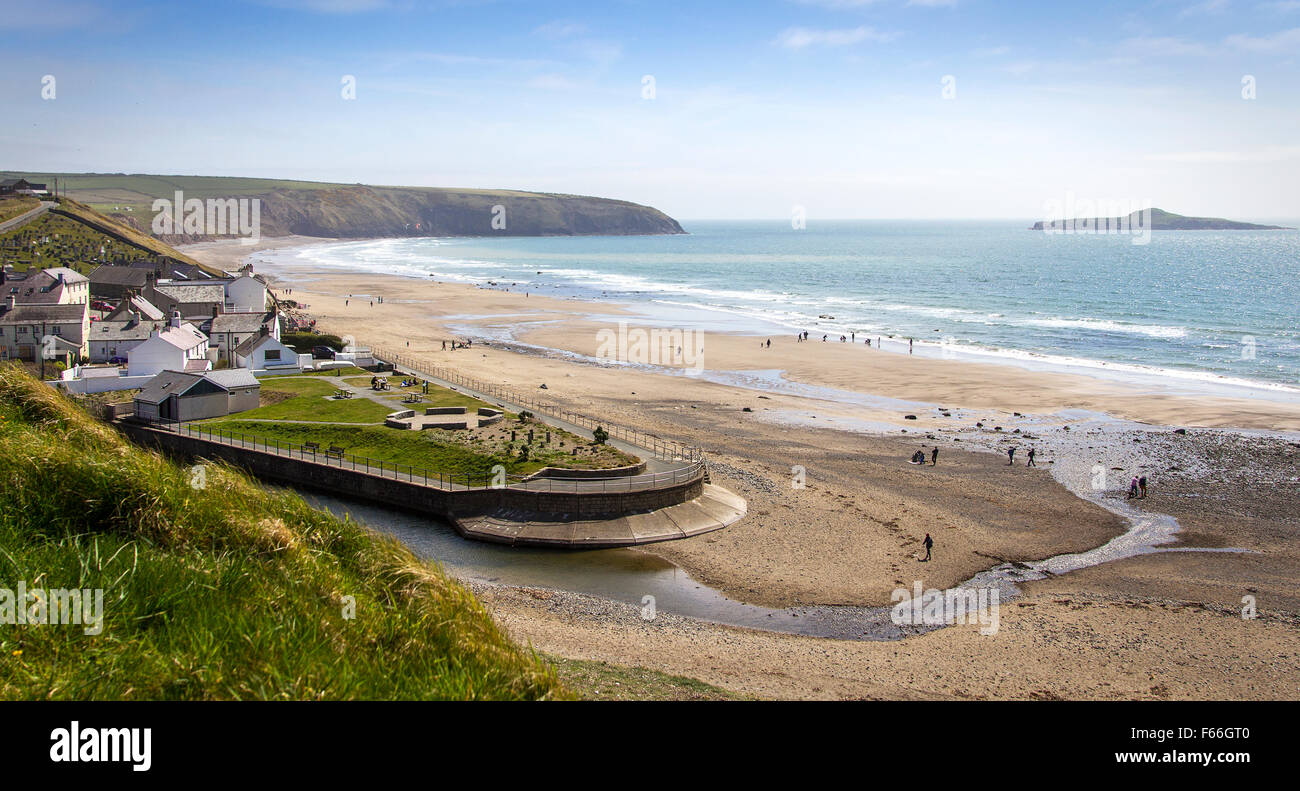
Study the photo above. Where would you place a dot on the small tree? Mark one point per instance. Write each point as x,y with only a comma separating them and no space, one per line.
600,435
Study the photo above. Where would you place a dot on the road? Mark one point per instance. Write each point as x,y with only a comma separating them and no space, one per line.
23,219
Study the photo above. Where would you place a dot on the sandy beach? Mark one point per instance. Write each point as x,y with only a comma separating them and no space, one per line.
1157,625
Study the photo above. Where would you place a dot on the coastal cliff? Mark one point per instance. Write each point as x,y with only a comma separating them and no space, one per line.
361,211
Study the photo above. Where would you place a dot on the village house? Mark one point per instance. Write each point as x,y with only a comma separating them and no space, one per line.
265,352
25,328
134,303
115,282
226,331
57,285
113,338
179,346
175,270
179,395
195,300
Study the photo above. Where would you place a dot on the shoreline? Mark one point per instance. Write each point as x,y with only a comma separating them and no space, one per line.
667,311
852,533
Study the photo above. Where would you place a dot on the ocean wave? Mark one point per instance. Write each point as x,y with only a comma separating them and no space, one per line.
1106,325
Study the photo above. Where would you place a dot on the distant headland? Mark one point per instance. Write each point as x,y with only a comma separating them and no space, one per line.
1161,220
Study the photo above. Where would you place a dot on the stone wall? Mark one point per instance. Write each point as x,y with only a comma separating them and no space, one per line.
415,496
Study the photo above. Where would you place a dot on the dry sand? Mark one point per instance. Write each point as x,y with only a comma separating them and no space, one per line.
1165,625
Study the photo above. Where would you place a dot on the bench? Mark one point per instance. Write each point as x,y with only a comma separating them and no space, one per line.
335,451
311,446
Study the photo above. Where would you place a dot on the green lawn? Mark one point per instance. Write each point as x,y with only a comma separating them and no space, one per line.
429,450
311,401
465,452
437,396
342,371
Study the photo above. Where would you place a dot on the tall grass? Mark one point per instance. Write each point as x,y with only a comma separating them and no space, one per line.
229,591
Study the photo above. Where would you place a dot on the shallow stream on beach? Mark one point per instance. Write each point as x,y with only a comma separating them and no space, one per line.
628,576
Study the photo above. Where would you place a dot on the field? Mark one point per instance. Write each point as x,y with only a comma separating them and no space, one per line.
222,589
13,206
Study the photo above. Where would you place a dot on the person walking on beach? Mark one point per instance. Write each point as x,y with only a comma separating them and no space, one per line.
1142,484
929,545
1011,456
934,455
1030,463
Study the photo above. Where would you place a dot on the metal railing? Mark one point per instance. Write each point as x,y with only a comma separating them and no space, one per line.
431,478
666,449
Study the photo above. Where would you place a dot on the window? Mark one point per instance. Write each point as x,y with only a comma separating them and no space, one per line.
22,330
272,354
58,330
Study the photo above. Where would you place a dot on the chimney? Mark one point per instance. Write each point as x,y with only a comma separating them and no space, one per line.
176,318
11,300
265,330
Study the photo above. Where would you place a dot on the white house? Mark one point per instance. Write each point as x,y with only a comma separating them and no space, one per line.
264,352
178,347
246,293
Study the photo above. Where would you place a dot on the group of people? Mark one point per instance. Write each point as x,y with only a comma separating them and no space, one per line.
1137,488
852,337
1011,457
457,345
919,456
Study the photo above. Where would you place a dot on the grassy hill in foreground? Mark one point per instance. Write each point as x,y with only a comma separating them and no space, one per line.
1161,220
357,210
229,591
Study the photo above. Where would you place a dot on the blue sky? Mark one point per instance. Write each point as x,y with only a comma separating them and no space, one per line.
837,106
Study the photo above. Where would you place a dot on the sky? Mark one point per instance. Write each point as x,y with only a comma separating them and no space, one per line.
840,108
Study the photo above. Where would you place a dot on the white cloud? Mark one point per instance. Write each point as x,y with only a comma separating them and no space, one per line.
1166,46
1204,8
1285,41
329,6
837,3
802,37
560,29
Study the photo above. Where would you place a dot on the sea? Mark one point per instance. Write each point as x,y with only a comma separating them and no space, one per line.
1213,312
